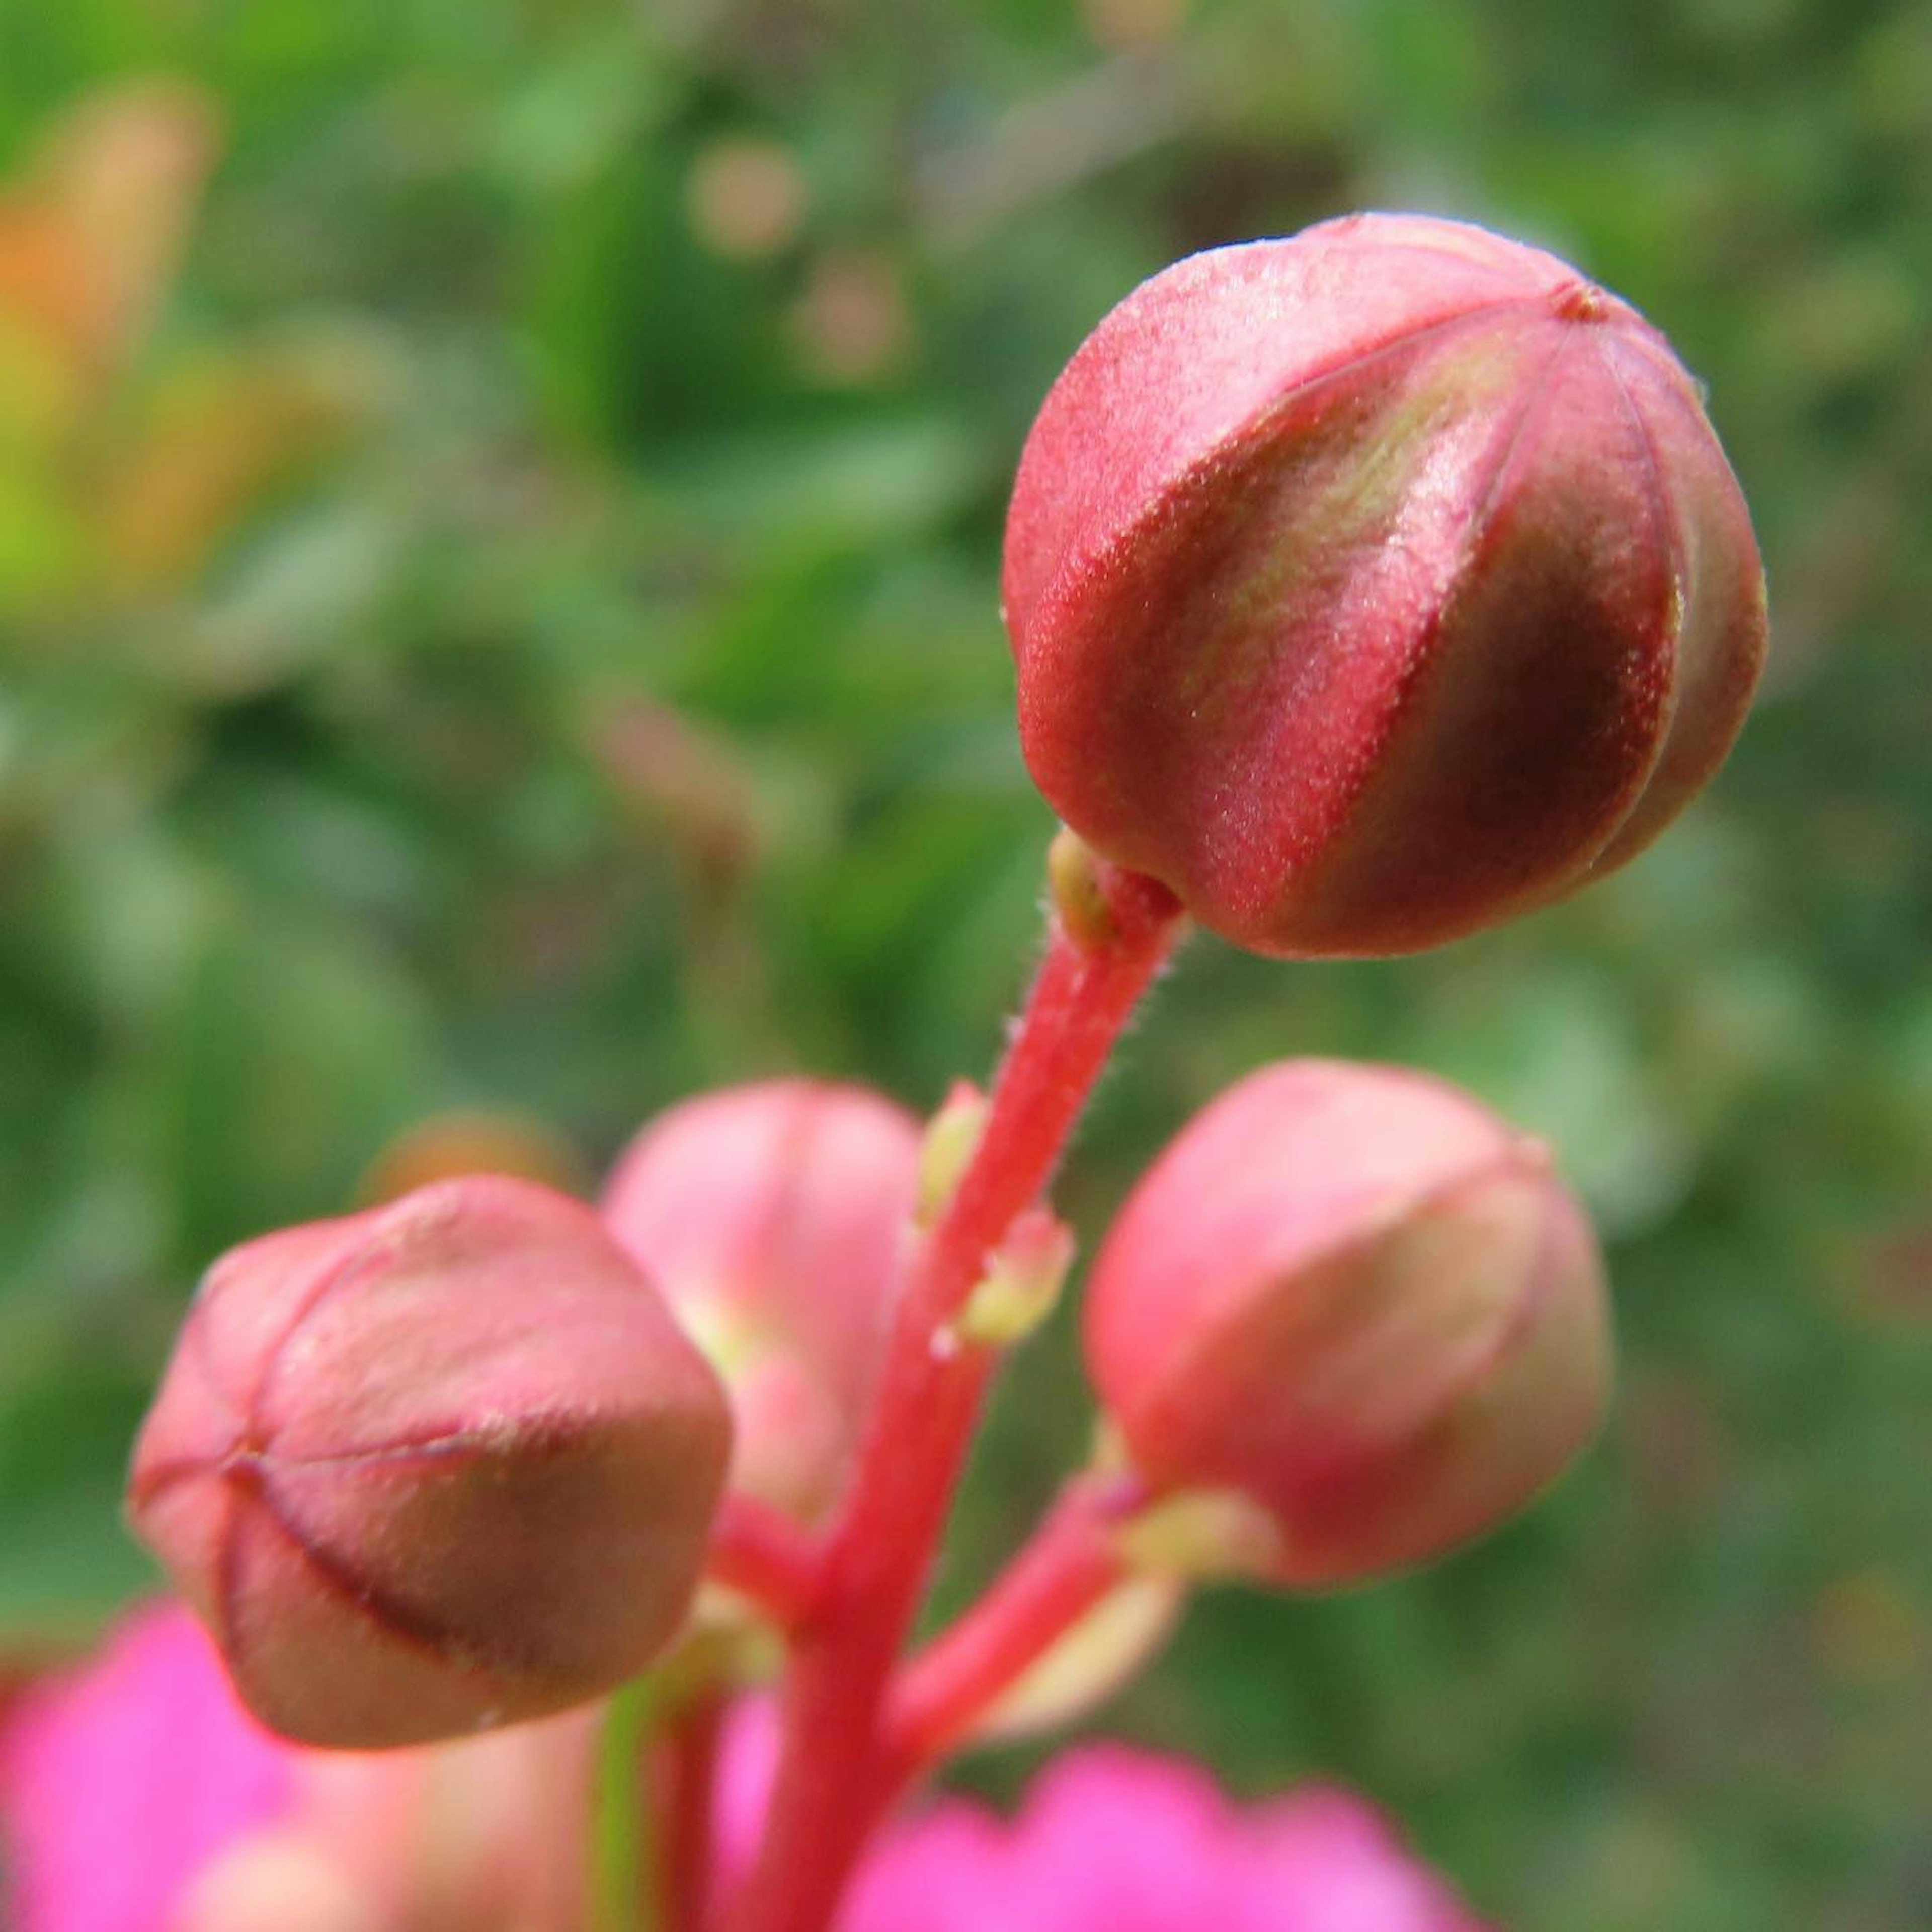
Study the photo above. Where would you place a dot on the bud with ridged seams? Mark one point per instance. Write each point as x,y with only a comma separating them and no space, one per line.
445,1464
1354,1316
1372,587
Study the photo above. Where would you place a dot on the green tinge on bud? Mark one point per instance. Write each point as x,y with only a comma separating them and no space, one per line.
1348,1320
1079,898
1022,1287
946,1151
1371,586
1202,1534
441,1465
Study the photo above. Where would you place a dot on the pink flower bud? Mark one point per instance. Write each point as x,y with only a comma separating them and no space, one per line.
1369,587
772,1216
1358,1303
440,1465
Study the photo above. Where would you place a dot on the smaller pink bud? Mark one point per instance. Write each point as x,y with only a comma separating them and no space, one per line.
440,1465
1357,1307
772,1216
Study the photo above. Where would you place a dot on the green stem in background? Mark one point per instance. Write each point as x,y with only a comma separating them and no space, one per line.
625,1887
1110,933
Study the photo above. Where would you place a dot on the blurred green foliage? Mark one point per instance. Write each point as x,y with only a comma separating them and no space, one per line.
499,514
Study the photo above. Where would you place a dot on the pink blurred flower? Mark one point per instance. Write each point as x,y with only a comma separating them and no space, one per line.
137,1794
119,1782
1114,1839
772,1216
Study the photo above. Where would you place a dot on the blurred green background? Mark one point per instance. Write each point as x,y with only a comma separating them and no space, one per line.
499,519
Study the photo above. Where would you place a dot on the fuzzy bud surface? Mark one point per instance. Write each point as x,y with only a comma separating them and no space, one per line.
1360,1306
440,1465
1369,587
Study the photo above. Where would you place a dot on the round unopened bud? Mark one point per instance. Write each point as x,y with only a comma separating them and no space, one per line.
772,1216
1369,587
1358,1307
441,1465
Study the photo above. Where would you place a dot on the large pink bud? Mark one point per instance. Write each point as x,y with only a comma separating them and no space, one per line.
772,1215
442,1465
1358,1305
1369,587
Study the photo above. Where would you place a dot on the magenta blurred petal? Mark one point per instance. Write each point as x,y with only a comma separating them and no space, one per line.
123,1783
120,1780
1112,1839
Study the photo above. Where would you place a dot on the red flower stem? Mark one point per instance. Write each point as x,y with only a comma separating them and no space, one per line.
1069,1566
832,1781
765,1556
689,1795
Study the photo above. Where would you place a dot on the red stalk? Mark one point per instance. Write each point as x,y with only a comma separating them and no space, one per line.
689,1795
832,1780
1065,1569
765,1556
